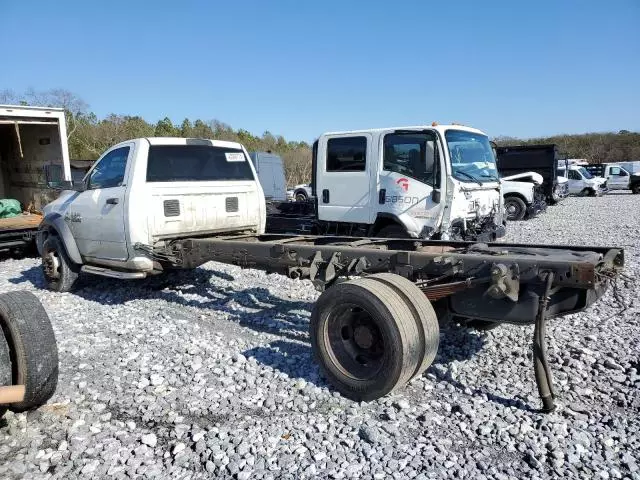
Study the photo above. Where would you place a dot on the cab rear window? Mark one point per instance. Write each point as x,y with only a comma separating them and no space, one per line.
196,163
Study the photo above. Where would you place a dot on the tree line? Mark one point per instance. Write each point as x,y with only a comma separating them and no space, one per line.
89,136
606,147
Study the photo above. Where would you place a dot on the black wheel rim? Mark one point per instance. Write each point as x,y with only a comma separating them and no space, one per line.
356,344
513,210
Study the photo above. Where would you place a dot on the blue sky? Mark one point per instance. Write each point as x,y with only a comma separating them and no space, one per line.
300,68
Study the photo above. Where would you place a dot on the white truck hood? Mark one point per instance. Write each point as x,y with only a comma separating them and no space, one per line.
533,177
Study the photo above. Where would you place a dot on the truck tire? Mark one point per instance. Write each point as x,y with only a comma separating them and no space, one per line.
588,192
364,338
515,208
423,313
300,196
6,377
635,189
394,231
34,352
59,271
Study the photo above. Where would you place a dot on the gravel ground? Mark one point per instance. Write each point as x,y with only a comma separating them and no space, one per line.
211,376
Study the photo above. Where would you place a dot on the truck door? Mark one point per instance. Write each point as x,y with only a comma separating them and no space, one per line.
410,172
344,178
96,215
576,182
617,178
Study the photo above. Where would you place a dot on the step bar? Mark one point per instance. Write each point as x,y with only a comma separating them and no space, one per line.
106,272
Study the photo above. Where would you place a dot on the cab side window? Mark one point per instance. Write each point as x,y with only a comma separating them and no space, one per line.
573,175
616,171
109,171
347,154
411,154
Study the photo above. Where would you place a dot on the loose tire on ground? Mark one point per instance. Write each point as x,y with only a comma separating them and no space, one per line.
515,208
423,313
6,377
364,338
59,271
32,343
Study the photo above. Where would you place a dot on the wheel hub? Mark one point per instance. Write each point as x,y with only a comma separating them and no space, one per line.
51,265
363,337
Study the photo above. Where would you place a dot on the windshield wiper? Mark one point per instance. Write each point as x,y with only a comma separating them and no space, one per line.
495,179
468,175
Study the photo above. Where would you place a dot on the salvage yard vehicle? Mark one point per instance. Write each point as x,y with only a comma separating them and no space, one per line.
30,139
156,204
28,353
618,178
437,181
583,183
270,170
542,159
523,195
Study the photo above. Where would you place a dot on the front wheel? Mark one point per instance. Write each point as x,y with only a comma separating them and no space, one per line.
301,196
515,208
59,271
636,189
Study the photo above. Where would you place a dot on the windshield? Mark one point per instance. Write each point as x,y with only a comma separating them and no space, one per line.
585,173
472,158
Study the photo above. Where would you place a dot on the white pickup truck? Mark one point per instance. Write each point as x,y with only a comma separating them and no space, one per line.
141,193
583,183
522,195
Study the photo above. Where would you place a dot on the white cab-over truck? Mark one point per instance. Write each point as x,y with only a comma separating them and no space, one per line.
437,181
154,204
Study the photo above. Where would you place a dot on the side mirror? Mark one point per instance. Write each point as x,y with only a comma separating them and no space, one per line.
435,195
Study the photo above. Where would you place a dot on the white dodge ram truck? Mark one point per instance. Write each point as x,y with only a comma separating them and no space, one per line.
144,192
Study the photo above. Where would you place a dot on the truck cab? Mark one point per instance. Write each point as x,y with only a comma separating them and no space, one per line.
583,183
144,193
618,177
437,181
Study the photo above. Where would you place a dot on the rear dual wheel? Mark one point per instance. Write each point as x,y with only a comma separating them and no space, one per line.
372,335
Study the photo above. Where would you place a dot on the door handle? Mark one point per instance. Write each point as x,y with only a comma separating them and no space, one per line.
382,196
325,196
113,201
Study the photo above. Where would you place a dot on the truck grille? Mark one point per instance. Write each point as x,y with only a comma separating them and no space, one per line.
171,208
231,204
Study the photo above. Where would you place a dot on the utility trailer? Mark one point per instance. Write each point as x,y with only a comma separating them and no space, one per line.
373,334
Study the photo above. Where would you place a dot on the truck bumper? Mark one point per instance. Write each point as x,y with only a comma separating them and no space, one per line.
537,207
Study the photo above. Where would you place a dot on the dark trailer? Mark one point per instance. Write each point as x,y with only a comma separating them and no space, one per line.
542,159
